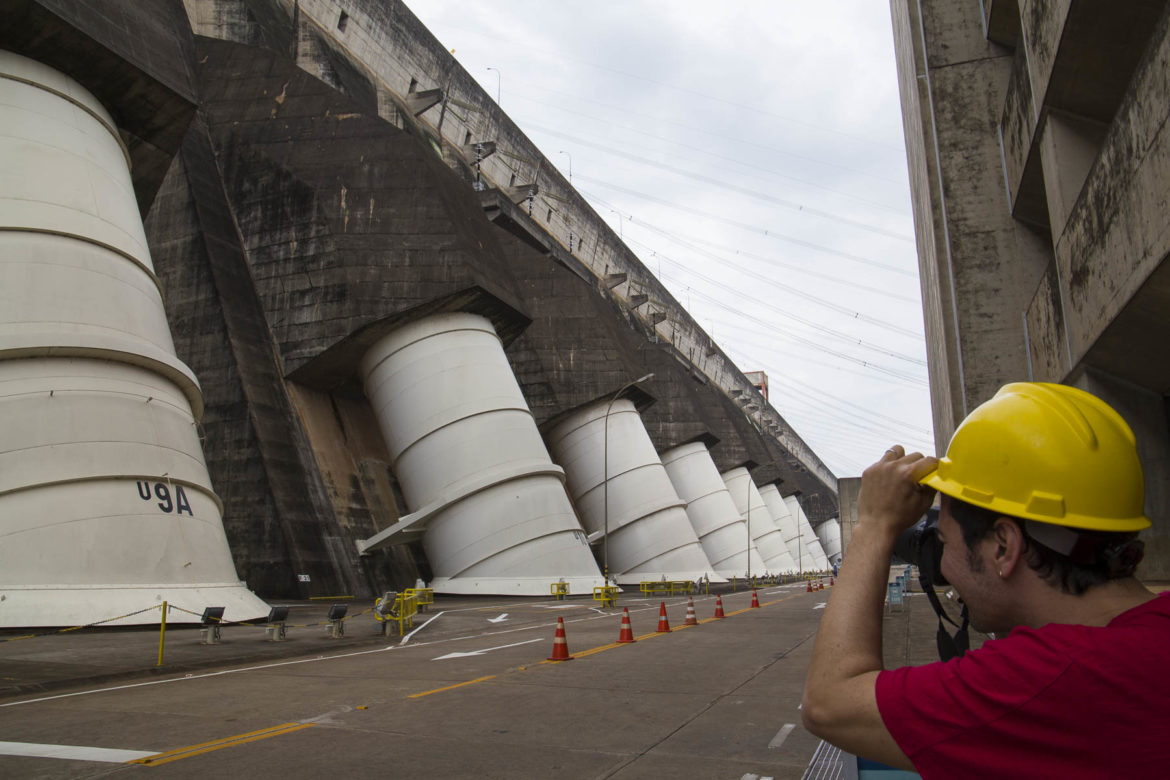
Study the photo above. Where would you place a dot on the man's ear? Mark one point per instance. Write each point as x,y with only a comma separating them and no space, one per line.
1010,545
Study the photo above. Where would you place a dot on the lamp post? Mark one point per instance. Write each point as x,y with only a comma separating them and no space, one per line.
800,550
570,164
749,525
605,474
498,80
799,546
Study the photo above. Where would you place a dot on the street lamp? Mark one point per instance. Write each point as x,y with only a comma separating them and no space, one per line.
605,474
498,80
749,525
800,548
621,229
570,164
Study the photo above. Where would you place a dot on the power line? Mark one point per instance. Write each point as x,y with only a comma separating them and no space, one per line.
804,359
754,167
820,395
791,267
559,56
760,196
721,136
744,226
816,326
851,313
870,364
687,241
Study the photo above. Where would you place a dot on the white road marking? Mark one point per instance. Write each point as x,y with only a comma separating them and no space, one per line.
558,606
485,650
781,735
406,638
821,605
73,752
503,616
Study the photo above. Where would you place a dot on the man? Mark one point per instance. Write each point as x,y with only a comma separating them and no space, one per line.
1042,496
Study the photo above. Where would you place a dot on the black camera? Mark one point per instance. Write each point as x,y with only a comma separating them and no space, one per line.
919,546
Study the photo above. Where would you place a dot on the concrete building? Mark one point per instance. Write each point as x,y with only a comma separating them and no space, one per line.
1039,161
324,188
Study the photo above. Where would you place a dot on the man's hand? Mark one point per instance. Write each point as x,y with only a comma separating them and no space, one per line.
839,700
890,494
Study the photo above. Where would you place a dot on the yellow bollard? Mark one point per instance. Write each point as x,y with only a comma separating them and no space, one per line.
162,633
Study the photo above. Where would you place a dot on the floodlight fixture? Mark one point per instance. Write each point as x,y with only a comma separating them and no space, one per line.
211,620
212,615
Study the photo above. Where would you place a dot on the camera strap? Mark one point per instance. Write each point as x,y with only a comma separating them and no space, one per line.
948,647
952,647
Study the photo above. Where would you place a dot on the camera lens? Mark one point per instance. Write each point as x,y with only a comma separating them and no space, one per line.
919,546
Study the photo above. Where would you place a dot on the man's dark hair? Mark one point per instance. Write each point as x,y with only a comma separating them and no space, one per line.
1098,556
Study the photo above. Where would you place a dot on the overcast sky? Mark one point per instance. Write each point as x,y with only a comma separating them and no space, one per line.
751,154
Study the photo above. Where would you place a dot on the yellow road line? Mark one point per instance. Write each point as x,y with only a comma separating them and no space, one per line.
450,687
593,650
218,744
599,649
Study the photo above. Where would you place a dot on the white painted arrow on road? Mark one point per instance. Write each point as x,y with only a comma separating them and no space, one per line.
485,650
503,616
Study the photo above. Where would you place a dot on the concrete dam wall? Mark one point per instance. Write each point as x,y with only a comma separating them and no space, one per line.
325,190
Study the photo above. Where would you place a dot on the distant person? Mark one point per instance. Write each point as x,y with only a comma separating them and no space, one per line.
1042,500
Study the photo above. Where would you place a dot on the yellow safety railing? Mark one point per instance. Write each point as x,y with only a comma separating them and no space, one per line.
425,597
559,589
671,587
401,611
606,594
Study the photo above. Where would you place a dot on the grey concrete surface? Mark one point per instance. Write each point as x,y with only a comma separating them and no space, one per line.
706,701
1038,195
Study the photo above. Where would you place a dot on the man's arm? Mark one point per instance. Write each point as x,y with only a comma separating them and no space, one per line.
839,704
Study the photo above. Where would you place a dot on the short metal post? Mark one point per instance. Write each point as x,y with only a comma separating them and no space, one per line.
162,633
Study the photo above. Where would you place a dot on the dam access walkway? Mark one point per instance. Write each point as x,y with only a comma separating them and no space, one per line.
466,692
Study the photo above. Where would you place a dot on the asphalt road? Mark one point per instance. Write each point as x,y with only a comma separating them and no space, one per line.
468,694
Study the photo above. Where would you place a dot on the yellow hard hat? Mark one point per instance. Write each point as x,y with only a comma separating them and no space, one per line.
1050,453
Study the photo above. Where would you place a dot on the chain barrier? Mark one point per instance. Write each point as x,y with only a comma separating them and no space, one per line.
255,624
173,608
87,625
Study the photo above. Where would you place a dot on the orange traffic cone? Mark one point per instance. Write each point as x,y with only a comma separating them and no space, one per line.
691,619
663,623
755,599
719,607
820,585
560,646
830,581
808,586
627,633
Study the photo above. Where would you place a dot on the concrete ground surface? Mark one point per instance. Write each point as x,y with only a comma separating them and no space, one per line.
468,694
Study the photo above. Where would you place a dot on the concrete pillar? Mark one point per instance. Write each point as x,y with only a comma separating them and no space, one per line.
485,495
106,507
618,483
712,511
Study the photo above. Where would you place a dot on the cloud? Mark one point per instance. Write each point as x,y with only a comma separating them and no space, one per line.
754,151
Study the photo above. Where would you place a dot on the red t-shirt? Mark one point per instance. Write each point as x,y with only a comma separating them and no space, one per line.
1060,701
